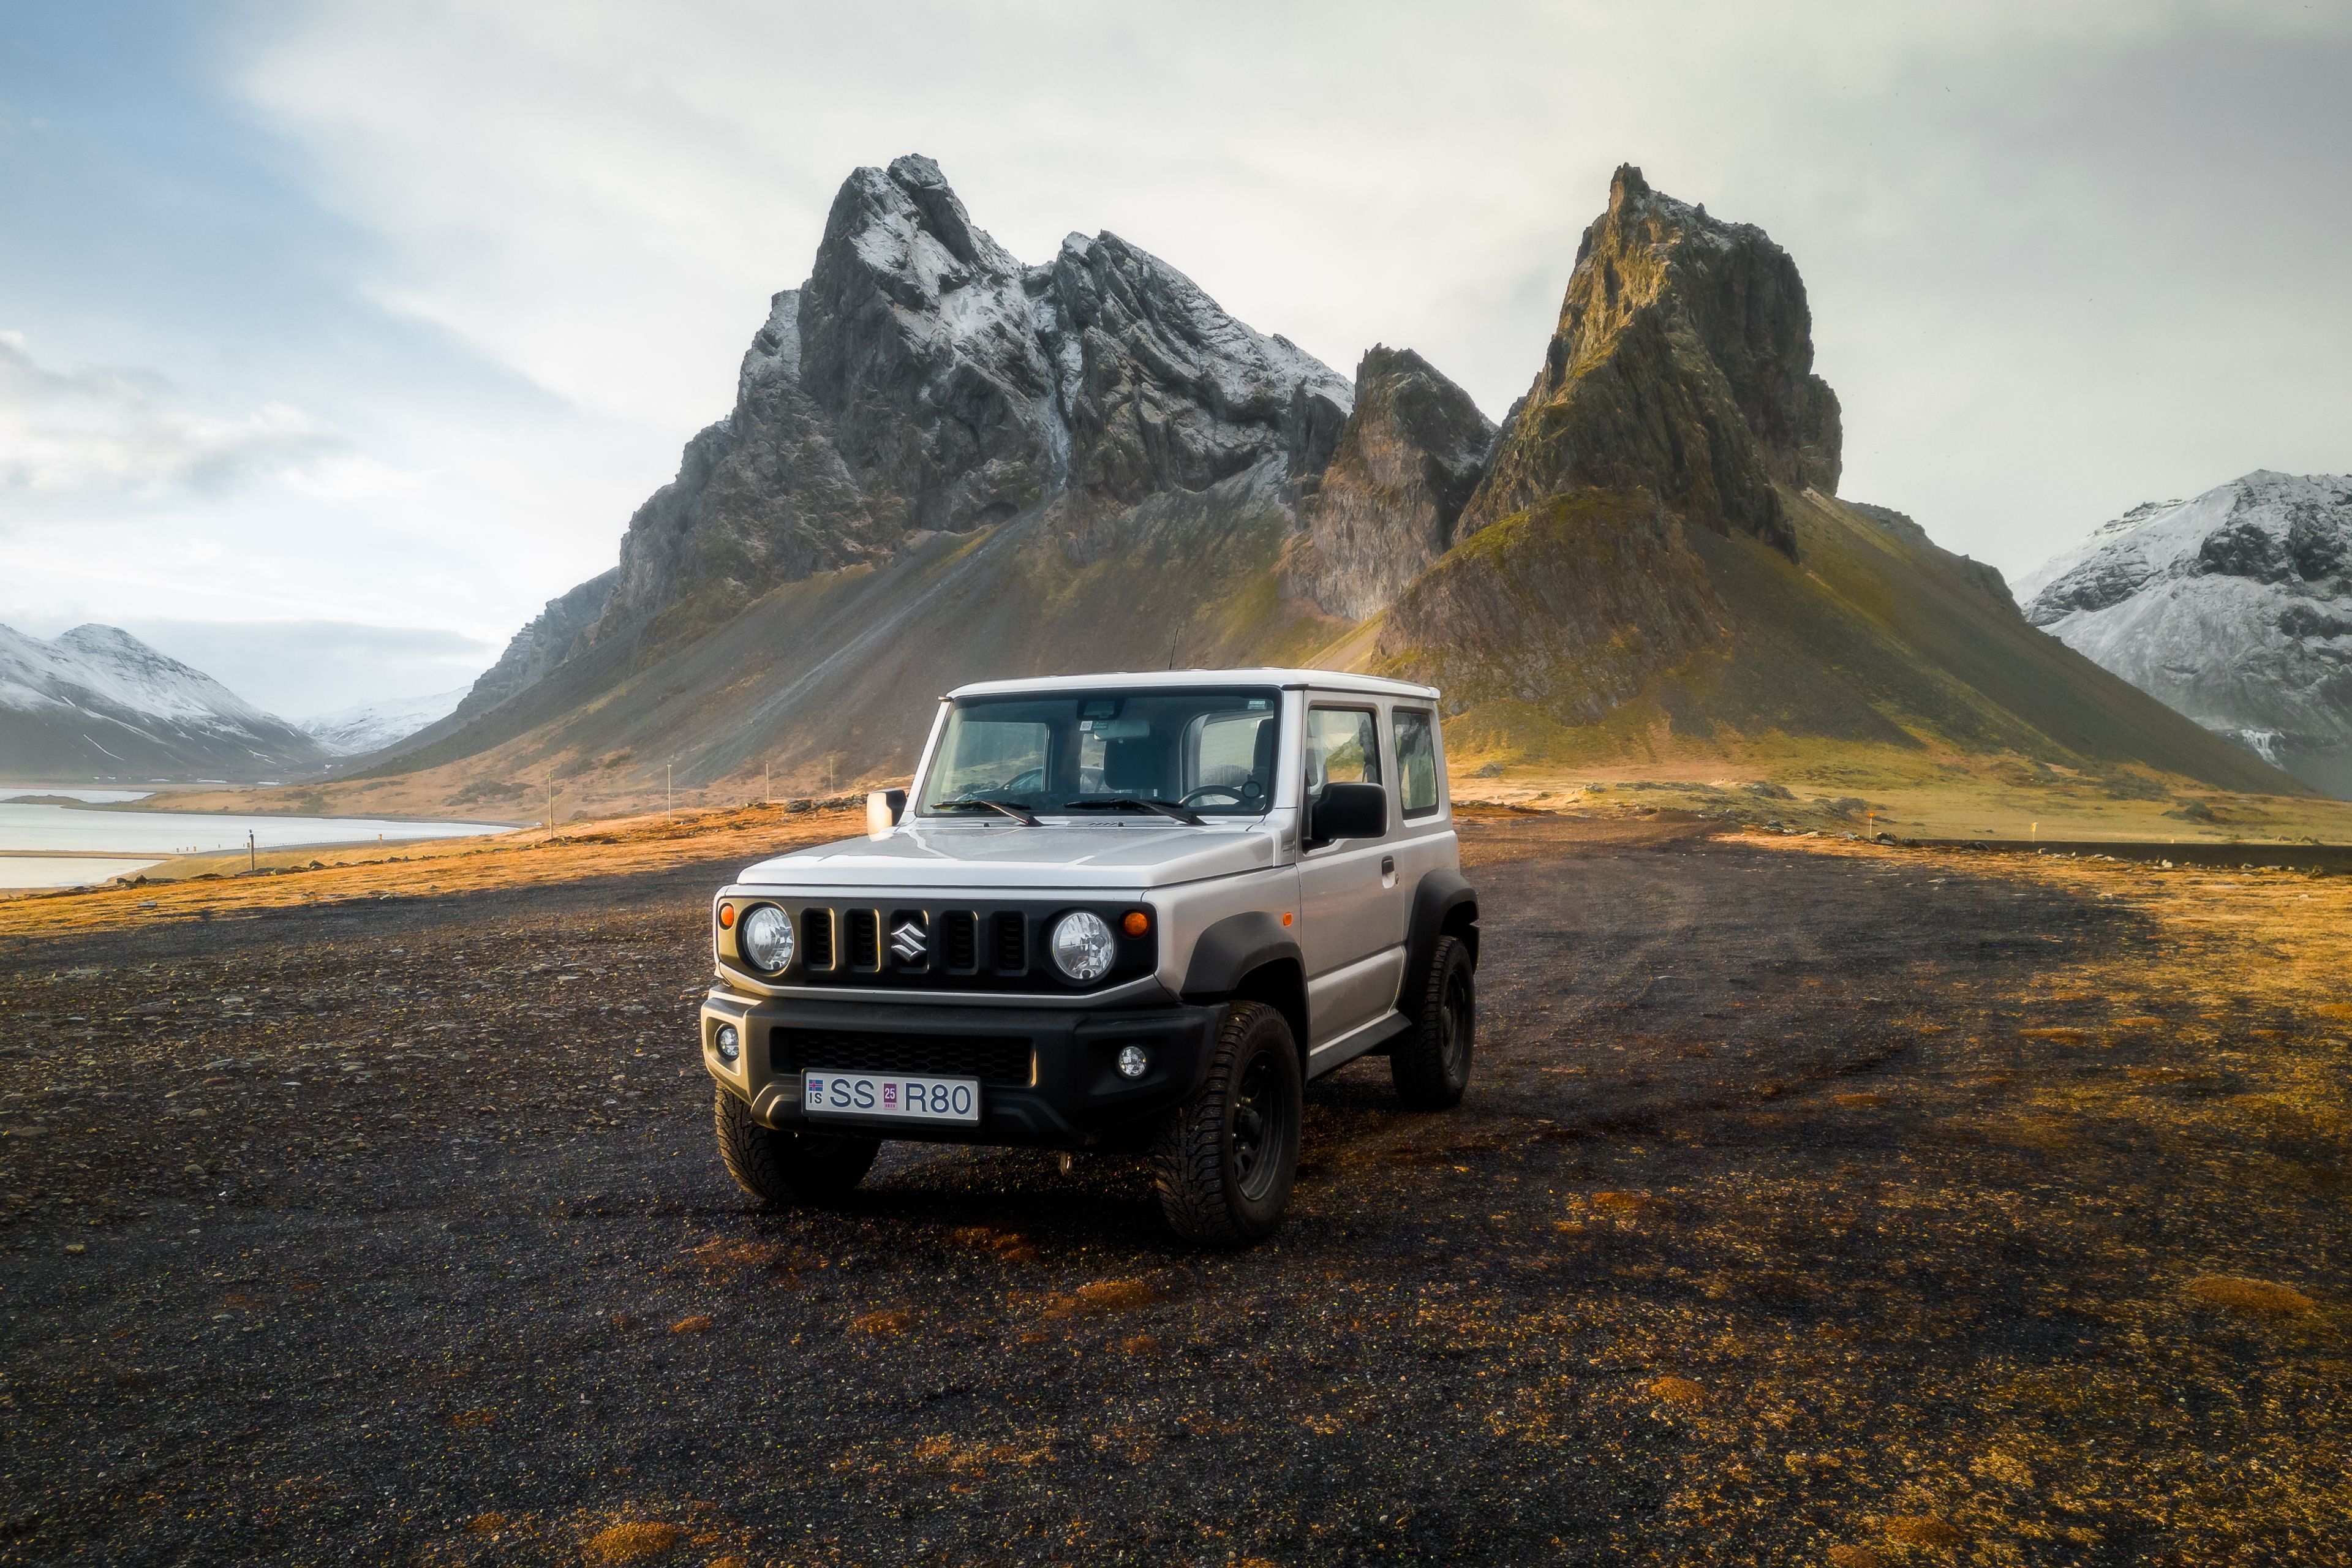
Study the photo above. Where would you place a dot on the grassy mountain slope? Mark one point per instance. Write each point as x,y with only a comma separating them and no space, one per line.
1872,643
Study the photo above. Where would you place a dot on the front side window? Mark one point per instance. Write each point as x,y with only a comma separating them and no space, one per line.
1208,751
1416,755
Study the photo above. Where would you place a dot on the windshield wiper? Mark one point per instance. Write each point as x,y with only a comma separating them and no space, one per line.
1130,803
1020,813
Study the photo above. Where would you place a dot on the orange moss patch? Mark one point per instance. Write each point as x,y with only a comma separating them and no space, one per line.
2059,1035
2333,1010
1010,1246
2139,1022
1115,1295
1862,1101
1623,1202
1921,1529
2235,1294
728,1252
633,1540
466,1419
486,1523
1853,1557
1678,1391
886,1322
699,1323
1139,1344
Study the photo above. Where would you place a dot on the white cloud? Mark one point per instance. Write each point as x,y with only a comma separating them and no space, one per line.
101,437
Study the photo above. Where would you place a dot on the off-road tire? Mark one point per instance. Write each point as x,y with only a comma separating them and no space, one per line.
788,1170
1431,1064
1229,1156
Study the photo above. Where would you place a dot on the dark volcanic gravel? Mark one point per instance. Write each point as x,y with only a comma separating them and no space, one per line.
392,1231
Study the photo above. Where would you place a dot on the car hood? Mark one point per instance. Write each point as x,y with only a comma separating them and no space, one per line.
968,855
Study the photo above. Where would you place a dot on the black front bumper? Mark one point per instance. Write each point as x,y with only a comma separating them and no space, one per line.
1072,1095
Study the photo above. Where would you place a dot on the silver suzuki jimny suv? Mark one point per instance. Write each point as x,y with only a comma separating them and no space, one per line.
1121,911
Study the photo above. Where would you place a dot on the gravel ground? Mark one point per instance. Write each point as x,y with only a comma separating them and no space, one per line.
1768,1234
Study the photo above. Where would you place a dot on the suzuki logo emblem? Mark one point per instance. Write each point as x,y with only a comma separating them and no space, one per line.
908,942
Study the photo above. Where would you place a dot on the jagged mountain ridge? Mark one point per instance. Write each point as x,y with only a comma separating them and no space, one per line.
2234,607
924,382
944,466
96,702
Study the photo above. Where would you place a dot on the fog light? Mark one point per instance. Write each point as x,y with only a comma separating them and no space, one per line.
1133,1060
730,1044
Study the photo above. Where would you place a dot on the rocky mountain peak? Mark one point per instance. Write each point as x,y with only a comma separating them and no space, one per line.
1683,364
1402,467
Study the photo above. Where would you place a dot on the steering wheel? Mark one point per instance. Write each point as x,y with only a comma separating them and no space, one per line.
1195,797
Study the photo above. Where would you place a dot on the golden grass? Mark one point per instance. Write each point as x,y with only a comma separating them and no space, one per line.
2058,1035
882,1323
486,1523
2260,1297
699,1323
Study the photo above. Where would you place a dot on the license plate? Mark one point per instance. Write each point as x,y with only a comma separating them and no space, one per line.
898,1095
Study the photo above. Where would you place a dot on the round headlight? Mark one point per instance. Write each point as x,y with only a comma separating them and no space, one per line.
731,1043
767,938
1082,945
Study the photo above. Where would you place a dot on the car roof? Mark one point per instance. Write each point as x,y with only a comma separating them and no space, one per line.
1168,680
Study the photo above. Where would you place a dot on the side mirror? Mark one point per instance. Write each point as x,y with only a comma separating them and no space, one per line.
884,807
1348,811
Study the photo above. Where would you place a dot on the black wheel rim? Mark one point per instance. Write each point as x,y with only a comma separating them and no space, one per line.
1260,1126
1453,1028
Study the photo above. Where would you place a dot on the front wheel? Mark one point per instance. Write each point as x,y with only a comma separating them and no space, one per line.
1431,1064
1229,1156
786,1170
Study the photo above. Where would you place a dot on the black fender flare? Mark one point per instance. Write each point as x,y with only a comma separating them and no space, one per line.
1226,953
1438,899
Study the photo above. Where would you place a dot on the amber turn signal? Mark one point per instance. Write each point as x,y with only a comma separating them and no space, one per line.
1136,923
726,916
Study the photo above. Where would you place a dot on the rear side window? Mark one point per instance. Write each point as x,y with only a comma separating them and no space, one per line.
1416,755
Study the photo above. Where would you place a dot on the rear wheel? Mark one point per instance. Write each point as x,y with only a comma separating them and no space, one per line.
1229,1156
786,1170
1431,1064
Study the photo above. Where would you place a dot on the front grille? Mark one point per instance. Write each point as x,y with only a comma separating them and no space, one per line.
992,1061
864,939
992,948
1012,941
959,940
817,940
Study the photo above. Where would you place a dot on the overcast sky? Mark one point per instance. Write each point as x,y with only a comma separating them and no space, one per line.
336,339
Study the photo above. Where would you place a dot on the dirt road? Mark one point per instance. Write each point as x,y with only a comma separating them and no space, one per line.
1866,1206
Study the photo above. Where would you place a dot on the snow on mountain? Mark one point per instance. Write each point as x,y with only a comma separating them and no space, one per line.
2234,607
372,726
97,702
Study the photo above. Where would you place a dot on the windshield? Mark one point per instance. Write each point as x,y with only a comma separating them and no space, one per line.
1209,752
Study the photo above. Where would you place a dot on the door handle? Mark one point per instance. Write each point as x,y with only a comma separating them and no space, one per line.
1388,864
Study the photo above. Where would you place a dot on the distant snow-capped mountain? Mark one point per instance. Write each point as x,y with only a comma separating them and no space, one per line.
372,726
98,703
2234,607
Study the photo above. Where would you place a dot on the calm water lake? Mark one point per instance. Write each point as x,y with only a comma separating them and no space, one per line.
39,835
